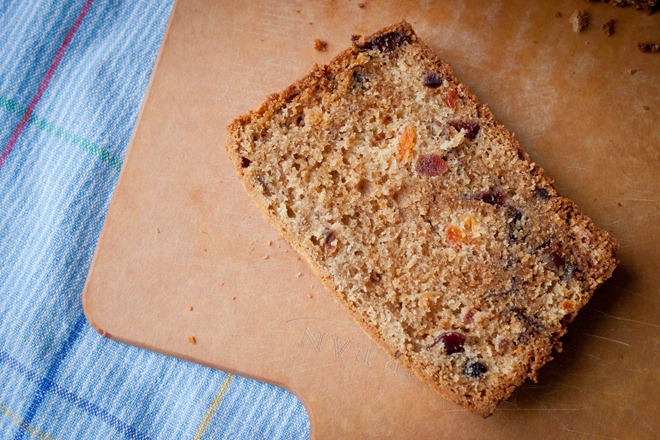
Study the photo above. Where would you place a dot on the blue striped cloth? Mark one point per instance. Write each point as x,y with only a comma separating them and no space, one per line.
72,78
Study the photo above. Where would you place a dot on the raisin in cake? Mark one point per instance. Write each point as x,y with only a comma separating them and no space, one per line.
422,216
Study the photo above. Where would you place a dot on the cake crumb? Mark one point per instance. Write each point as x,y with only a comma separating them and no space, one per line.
299,274
579,20
558,14
608,27
646,107
309,295
619,204
192,340
190,308
269,243
233,298
361,5
265,257
649,47
632,71
157,230
320,45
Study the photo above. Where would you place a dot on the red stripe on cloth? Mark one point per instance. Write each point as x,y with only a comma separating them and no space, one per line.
43,85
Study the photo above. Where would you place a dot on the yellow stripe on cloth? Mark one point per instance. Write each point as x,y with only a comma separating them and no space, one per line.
29,429
215,403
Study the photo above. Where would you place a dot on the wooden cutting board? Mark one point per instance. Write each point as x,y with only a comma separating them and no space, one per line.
182,233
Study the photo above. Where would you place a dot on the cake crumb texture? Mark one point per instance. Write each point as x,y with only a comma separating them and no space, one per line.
423,217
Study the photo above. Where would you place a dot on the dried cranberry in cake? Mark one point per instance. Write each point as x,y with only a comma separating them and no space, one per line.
245,162
451,341
557,259
474,368
432,80
431,165
471,128
493,197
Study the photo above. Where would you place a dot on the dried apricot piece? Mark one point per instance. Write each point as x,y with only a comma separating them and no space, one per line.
406,143
455,236
452,97
467,232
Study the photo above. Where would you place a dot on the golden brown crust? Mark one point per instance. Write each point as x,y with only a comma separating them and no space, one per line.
562,211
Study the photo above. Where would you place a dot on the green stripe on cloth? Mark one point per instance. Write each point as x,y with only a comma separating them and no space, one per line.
29,429
215,403
86,145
